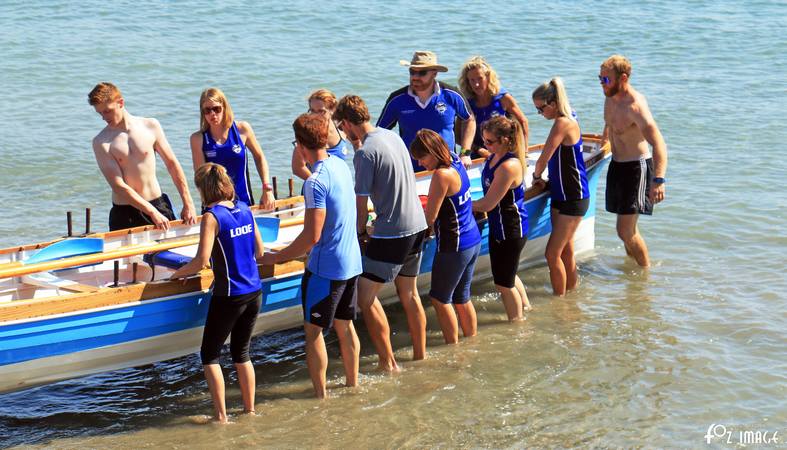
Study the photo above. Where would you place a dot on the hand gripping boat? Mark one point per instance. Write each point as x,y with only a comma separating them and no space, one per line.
74,307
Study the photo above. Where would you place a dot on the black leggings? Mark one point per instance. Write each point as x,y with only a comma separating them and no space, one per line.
504,258
235,314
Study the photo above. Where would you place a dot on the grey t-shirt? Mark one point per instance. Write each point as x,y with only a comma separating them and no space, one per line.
383,171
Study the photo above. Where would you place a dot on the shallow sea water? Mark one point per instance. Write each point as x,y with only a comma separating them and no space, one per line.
631,358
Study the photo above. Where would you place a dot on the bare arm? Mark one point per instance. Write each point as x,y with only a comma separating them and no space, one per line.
208,229
299,168
197,157
652,134
162,147
511,107
362,212
110,168
266,200
313,222
557,135
505,177
438,188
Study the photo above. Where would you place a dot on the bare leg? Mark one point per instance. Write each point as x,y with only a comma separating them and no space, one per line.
633,241
467,318
520,288
316,358
570,264
376,323
351,350
563,228
448,323
407,291
247,381
512,302
216,386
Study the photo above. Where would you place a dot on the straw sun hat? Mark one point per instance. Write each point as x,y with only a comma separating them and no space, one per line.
424,60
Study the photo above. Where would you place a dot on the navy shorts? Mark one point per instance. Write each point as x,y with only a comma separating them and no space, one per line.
324,300
452,274
576,208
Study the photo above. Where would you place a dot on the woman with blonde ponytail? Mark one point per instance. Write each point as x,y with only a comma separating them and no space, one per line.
503,178
570,196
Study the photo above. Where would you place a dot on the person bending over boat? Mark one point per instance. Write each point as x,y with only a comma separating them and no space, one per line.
231,242
568,184
322,101
635,179
328,288
125,152
223,141
427,103
503,178
481,87
383,172
449,210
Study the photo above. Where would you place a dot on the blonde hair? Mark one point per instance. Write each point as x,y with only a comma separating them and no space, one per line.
511,135
618,64
554,91
102,93
477,62
215,95
325,96
214,184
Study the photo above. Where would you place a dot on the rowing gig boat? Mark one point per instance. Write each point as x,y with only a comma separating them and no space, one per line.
73,307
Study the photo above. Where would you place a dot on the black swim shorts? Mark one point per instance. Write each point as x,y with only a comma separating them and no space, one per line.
628,184
127,216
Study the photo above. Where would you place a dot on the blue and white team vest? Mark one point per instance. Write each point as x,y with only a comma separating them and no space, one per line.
234,265
482,114
508,219
232,155
455,227
568,180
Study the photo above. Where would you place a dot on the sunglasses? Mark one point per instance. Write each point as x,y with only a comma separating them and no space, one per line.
489,142
212,109
418,73
540,109
604,80
294,143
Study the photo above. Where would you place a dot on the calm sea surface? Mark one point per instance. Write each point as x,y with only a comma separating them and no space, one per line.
632,358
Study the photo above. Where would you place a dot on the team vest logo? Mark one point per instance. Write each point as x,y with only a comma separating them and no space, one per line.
465,197
494,114
210,154
441,108
239,231
487,183
236,148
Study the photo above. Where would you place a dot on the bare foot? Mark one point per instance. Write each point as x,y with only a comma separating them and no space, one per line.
388,368
527,307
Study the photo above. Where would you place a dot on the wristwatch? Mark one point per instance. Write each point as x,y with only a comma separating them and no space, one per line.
536,177
267,187
659,180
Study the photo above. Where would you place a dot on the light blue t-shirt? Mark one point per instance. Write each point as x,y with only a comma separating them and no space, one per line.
336,256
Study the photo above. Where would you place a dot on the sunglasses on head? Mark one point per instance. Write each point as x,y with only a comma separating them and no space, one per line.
212,109
604,80
418,73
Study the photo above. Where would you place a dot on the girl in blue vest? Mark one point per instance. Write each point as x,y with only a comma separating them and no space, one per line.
449,211
568,183
503,179
230,241
323,102
480,85
223,141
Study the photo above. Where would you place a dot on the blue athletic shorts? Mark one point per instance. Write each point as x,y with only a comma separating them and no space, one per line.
324,300
452,274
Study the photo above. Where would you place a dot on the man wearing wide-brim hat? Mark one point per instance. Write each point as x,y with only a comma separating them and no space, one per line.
428,103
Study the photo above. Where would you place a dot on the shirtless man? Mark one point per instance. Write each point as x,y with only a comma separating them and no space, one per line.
635,180
124,152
